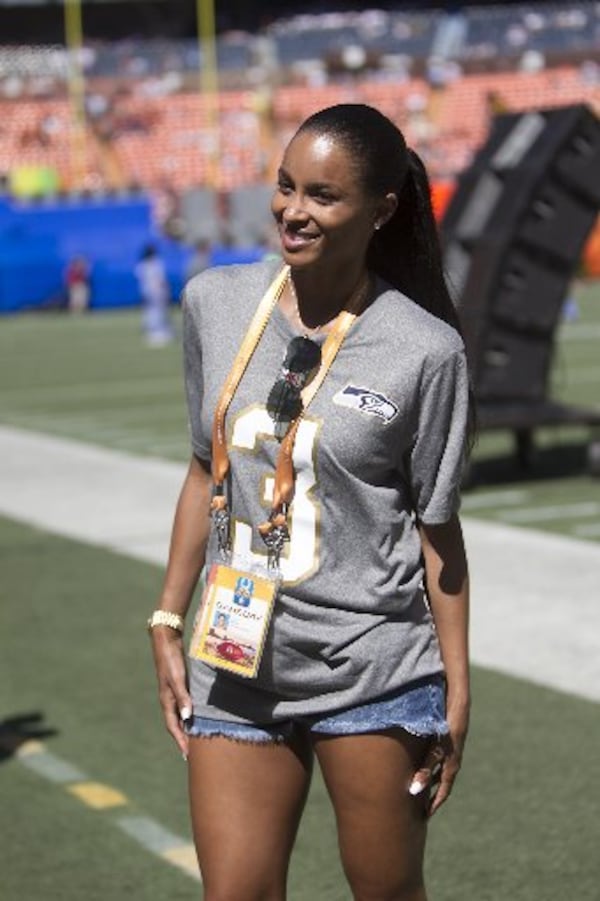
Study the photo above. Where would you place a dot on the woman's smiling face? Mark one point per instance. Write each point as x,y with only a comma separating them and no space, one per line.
323,213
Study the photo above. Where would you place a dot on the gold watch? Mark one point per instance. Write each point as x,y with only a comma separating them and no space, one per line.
165,618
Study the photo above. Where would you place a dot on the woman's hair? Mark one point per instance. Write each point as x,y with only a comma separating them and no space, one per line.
406,250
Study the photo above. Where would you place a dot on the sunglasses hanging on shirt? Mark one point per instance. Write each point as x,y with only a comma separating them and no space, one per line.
300,364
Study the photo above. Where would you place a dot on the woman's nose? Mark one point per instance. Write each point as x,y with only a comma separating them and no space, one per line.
294,211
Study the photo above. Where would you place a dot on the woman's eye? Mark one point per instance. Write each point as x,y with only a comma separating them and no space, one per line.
324,198
284,189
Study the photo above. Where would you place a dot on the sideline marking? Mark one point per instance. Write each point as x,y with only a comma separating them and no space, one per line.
98,796
185,858
48,765
174,850
159,841
32,746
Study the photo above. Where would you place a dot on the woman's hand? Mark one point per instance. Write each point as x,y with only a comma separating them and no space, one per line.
186,558
442,762
447,579
169,660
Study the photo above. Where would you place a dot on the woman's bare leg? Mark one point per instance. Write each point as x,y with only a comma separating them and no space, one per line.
381,827
246,801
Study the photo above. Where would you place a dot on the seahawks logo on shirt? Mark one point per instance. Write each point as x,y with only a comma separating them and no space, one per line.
366,401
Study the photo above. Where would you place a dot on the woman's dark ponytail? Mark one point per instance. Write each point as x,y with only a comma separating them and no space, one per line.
406,251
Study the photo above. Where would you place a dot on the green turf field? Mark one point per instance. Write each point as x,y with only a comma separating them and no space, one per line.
75,668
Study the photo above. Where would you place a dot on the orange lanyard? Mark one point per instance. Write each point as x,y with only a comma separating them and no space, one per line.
283,491
220,457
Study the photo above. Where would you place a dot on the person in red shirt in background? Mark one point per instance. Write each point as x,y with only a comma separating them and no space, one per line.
77,277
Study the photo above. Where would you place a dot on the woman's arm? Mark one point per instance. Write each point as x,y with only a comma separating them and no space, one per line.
189,537
447,581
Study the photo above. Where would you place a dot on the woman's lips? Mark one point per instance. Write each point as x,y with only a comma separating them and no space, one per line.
296,240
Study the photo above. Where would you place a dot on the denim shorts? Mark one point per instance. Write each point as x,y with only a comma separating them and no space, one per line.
418,709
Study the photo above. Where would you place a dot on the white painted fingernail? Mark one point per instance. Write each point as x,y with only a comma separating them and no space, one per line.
186,713
184,757
416,788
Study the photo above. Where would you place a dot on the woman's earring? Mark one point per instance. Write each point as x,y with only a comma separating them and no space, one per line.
377,226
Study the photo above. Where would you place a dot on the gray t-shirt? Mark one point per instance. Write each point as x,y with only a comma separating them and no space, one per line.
381,444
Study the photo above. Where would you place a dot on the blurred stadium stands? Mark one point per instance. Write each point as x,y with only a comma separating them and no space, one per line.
147,140
439,73
401,60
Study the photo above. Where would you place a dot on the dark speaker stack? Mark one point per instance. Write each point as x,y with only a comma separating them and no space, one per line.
512,238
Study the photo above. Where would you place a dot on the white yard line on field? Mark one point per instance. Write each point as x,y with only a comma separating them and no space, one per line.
531,591
552,512
492,499
103,497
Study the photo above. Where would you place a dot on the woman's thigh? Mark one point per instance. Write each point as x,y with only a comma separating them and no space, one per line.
246,801
381,827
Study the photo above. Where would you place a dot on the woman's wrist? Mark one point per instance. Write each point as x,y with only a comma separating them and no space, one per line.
160,618
458,697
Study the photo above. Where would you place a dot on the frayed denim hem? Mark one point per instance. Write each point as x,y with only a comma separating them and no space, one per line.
204,727
421,730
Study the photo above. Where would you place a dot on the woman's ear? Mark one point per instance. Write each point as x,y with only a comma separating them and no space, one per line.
385,210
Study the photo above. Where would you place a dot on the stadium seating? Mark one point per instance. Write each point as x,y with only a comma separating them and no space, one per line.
152,141
148,125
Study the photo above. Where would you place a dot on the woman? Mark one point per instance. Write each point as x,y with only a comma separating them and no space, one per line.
362,667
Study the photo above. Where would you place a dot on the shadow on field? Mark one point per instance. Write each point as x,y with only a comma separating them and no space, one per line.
559,461
20,728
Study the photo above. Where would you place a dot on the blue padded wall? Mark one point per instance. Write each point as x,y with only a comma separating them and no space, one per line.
37,240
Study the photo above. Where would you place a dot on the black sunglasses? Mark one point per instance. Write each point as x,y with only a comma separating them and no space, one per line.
284,404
